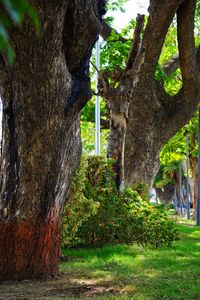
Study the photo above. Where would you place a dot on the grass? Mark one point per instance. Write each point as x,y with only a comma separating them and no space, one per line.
133,272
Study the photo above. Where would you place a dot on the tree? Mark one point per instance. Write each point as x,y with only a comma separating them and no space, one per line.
43,93
143,115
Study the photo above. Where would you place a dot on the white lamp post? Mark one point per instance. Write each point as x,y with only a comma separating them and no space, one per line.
97,104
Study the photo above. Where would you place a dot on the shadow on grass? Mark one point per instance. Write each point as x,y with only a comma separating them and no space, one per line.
142,273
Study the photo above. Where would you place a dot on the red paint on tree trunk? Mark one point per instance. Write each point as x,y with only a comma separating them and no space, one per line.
28,251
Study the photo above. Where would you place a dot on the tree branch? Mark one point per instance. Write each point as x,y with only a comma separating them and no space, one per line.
136,42
104,91
172,65
177,110
186,44
176,113
80,34
160,18
116,75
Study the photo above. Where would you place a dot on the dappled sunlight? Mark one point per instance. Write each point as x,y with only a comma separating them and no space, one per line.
195,234
146,272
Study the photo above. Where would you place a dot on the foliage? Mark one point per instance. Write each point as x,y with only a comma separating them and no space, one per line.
118,216
88,112
101,228
174,151
147,224
13,13
78,208
116,5
171,155
114,54
88,138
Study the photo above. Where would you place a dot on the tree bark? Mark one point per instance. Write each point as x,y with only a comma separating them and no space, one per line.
118,124
42,93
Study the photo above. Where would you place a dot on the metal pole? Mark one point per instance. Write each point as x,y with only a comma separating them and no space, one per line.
198,200
97,104
187,178
180,187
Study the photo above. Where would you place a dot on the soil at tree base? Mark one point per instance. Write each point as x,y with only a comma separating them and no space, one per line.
58,288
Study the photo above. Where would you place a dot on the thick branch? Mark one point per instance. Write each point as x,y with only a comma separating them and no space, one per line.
172,65
116,75
80,34
160,18
136,42
177,112
187,51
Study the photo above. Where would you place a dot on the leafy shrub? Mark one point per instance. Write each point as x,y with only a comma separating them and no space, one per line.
148,224
101,228
78,208
110,216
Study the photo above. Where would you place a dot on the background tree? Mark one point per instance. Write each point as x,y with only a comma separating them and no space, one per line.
141,108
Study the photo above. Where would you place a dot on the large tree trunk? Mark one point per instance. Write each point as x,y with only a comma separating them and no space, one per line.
144,139
42,95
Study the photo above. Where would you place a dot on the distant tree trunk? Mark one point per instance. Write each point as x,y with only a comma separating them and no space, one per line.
42,93
194,166
165,195
153,116
118,124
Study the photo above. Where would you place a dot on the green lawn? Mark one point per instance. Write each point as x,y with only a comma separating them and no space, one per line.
133,272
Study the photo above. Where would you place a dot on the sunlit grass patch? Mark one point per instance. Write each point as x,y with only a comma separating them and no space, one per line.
142,273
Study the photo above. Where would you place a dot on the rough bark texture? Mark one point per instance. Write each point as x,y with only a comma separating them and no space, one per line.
194,168
154,116
118,123
42,95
